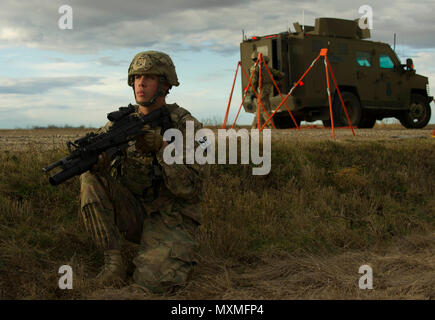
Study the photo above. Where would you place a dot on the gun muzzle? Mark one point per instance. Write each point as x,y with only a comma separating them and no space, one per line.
52,166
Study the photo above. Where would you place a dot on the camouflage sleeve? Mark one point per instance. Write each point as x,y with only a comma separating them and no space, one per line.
184,180
255,77
277,74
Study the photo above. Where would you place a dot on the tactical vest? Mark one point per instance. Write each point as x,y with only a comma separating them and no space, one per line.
142,174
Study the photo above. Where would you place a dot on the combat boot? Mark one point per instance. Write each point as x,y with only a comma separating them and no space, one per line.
114,270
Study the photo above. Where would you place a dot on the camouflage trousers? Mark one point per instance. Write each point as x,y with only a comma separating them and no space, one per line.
112,214
263,116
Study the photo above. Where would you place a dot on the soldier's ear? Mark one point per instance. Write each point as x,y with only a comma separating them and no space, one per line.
166,87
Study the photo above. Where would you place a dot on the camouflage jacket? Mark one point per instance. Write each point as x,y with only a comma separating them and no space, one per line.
266,82
159,186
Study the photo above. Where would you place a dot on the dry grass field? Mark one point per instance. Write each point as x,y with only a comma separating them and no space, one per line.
327,207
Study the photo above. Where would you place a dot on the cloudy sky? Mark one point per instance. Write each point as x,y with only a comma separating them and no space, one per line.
53,76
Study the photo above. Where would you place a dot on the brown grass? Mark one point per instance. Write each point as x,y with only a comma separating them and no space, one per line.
303,231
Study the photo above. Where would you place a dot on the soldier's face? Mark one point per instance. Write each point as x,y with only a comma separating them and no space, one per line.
145,87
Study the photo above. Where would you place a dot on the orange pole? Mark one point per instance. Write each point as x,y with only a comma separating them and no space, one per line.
253,89
260,58
231,95
262,105
249,78
303,76
329,99
244,96
243,100
294,87
339,94
276,86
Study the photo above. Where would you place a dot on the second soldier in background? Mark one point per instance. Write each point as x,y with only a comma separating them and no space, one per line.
266,89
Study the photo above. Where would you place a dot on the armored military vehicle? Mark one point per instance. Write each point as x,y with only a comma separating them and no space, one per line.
373,82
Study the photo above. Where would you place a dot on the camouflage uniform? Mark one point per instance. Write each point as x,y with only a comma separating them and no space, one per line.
266,89
146,201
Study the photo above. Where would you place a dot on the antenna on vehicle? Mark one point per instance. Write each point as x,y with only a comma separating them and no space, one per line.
243,35
394,47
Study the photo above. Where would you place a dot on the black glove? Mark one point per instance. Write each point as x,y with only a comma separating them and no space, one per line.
102,167
151,141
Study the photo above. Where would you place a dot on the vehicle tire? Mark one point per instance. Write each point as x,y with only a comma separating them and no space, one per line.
283,120
292,124
327,123
353,107
418,114
367,123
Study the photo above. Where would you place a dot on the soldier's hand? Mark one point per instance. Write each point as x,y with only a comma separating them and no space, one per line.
150,141
102,166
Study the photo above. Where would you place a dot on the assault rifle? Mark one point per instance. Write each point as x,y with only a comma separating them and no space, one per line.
84,152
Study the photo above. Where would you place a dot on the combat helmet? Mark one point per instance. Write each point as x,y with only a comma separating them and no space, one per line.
154,63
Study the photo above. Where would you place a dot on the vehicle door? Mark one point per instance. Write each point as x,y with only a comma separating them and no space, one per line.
389,79
365,75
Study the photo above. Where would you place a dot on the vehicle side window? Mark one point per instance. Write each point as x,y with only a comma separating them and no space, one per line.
385,62
364,59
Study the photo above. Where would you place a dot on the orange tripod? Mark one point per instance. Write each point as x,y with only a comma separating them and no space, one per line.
323,53
260,60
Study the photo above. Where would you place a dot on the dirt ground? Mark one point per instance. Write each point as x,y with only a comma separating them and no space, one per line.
48,139
401,270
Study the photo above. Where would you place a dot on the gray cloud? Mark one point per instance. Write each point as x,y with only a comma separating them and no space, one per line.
30,86
194,24
108,61
61,107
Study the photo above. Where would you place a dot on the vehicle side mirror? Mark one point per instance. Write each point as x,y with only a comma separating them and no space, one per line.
399,67
409,64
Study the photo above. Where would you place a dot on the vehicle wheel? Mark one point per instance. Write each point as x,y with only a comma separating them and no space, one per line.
418,114
327,123
283,120
367,123
292,124
353,108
